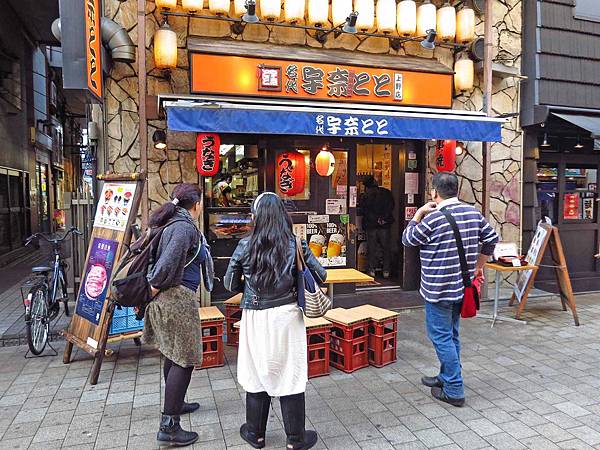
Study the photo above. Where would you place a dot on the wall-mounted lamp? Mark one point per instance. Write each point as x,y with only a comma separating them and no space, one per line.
165,47
159,137
545,142
166,4
349,26
578,144
325,162
429,41
461,147
464,74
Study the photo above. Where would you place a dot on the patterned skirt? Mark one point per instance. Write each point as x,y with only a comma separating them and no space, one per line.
172,324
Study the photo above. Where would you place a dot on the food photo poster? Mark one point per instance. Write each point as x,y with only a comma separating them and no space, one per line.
114,206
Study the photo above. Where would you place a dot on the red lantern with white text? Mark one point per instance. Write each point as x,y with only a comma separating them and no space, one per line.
445,156
291,172
207,154
325,163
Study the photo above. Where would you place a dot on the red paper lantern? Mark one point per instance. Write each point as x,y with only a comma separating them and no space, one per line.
291,172
445,156
207,154
325,163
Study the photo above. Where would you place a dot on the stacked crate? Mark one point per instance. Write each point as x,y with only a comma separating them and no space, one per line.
211,320
318,333
383,334
233,314
349,339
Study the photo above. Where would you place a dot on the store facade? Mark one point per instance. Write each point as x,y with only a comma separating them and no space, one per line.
281,109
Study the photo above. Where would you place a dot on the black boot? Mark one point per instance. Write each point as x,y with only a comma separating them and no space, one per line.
257,414
292,411
189,408
170,432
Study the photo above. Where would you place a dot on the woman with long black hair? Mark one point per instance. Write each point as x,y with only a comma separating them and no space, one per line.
172,322
272,359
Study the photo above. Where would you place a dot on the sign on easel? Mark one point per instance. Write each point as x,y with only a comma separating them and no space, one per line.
116,211
545,235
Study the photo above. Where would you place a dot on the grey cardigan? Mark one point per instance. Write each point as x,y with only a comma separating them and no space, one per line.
177,246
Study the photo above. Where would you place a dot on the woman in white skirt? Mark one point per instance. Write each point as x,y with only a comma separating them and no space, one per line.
272,359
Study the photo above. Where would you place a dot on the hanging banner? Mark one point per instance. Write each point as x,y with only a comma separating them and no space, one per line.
207,154
290,173
445,155
93,47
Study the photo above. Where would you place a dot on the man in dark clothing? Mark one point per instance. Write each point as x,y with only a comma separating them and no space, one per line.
377,206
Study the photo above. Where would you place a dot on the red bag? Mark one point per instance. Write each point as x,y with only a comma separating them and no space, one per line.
470,303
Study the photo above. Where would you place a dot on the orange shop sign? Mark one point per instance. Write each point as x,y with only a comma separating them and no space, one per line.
93,50
241,75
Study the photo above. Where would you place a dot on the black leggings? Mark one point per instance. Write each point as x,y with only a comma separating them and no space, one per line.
177,380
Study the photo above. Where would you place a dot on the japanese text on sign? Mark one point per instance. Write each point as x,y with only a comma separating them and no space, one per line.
350,126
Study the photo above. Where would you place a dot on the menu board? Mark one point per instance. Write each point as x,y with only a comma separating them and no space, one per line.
114,206
534,255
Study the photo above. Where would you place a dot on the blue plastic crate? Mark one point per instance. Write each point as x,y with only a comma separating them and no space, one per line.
124,321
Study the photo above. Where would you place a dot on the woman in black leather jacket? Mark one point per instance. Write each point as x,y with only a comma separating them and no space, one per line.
272,359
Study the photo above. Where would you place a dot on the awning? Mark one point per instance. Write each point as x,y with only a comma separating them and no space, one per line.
589,123
259,116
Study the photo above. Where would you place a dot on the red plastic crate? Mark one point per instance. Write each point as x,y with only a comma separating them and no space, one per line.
318,351
382,349
212,352
233,314
349,355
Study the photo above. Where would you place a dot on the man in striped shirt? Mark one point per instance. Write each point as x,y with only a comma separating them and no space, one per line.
441,280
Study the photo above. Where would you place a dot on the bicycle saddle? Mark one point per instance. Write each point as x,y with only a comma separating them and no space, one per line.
41,269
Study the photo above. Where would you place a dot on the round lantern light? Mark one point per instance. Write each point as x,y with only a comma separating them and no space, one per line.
318,12
366,14
325,163
406,18
465,25
340,10
386,16
192,5
464,73
426,18
293,10
291,173
219,7
445,156
166,4
165,47
446,22
270,9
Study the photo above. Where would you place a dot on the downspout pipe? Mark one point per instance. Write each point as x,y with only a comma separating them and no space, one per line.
114,37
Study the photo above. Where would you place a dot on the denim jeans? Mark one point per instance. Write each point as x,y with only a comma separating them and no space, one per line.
443,320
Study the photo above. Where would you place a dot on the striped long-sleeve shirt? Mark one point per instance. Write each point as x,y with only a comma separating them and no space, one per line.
441,277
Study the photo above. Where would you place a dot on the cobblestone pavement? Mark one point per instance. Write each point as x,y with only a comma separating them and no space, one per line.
528,386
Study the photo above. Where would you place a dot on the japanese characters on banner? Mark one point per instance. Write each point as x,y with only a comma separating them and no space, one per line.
445,155
348,125
571,206
326,237
292,175
386,175
114,206
92,292
207,154
213,73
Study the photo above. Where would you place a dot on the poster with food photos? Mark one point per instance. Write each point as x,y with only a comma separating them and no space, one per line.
114,206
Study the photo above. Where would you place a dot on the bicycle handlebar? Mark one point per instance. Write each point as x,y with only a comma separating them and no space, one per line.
72,230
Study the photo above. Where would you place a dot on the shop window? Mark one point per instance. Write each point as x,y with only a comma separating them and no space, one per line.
579,198
587,10
547,192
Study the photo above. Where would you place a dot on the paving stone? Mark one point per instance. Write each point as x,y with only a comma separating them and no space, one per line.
364,432
53,433
553,432
469,440
538,443
504,441
571,409
376,444
483,427
586,434
398,435
433,437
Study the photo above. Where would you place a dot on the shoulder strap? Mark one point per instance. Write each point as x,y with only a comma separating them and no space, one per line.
464,268
300,263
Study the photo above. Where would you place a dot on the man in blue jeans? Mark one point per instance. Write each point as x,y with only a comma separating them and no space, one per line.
441,281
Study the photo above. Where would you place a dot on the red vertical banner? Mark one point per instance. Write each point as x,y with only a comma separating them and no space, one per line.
93,47
445,156
571,206
290,172
207,154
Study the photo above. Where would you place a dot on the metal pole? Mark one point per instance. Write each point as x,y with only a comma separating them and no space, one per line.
143,127
487,104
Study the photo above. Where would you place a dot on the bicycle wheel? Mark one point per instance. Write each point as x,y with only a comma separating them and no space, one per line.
38,325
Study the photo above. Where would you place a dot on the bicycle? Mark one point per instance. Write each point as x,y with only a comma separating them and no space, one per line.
42,303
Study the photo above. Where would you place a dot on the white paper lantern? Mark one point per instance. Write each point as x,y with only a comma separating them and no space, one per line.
219,7
465,25
426,18
366,14
340,10
166,4
386,16
406,18
294,10
165,48
446,23
192,5
464,74
318,12
270,9
239,8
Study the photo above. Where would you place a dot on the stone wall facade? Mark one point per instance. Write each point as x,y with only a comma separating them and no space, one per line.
177,163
